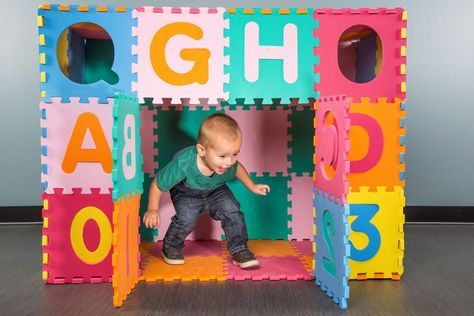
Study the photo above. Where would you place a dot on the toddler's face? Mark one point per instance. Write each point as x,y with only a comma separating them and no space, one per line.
222,154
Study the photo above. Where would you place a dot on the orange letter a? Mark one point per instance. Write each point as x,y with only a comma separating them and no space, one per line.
74,152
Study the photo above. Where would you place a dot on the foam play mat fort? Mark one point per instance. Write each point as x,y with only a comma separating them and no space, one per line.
319,95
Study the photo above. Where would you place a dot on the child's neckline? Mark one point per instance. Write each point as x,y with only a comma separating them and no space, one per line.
199,170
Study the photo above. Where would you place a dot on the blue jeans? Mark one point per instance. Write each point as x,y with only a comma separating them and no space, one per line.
221,205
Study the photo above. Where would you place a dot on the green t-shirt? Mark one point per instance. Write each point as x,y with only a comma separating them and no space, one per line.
184,167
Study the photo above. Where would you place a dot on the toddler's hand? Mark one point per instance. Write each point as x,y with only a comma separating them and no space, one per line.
151,219
260,189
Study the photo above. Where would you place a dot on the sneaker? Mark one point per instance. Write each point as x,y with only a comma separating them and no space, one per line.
245,259
172,255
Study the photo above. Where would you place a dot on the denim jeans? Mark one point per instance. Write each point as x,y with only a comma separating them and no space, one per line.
219,203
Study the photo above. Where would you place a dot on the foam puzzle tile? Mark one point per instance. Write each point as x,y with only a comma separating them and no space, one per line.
126,256
178,128
269,51
77,237
179,52
193,248
390,26
146,247
76,143
266,216
301,210
208,268
377,136
271,268
304,247
148,136
264,138
127,174
307,258
377,237
308,262
332,124
53,20
301,132
333,250
271,248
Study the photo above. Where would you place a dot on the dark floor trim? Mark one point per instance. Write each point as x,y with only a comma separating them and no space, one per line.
446,214
442,214
16,214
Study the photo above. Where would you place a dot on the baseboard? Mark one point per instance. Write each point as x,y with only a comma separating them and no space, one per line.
441,214
20,214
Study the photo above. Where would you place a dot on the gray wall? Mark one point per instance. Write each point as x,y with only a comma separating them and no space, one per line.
440,157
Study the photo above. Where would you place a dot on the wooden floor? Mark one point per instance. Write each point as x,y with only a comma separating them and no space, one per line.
438,280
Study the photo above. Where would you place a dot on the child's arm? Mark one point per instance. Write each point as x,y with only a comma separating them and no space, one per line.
243,176
151,218
167,177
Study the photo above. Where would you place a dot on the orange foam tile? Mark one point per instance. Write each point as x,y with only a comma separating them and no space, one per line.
146,247
271,248
308,263
195,268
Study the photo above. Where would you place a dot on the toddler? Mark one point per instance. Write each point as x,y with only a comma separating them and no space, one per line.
196,179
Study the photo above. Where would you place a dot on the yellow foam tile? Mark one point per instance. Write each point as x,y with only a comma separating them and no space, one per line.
386,221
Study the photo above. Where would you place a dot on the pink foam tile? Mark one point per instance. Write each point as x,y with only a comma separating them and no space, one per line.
265,139
271,268
149,151
149,84
301,198
206,228
60,122
332,148
305,247
388,25
194,248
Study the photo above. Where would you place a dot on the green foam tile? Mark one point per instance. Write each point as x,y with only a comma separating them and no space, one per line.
301,144
266,216
178,129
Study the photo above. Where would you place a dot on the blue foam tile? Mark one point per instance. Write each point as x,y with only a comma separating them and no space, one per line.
333,249
117,24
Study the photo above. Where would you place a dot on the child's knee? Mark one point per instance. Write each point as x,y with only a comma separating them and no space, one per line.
185,221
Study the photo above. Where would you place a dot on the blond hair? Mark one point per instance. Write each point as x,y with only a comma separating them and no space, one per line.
218,124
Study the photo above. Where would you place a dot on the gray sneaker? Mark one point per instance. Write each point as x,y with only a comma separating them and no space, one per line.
245,259
172,255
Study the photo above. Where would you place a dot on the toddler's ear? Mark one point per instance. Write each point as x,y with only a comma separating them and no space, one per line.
201,150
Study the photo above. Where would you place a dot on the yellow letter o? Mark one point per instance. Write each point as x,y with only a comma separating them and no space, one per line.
77,239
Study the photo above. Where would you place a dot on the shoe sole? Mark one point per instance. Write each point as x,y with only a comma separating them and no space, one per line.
172,261
248,264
